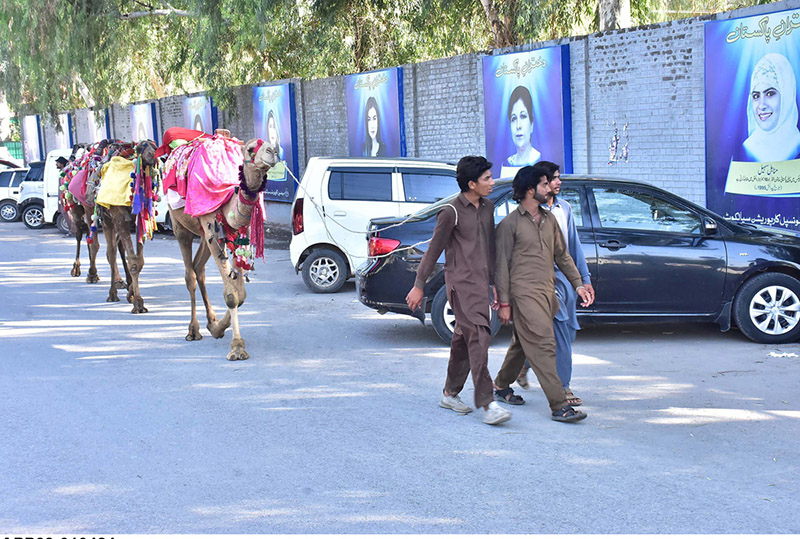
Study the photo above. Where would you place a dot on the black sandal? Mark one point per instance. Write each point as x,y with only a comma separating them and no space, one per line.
568,414
507,396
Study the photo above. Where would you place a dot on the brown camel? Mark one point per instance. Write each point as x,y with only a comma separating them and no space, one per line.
116,222
259,157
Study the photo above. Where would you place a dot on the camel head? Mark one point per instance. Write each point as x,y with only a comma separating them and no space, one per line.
146,149
260,154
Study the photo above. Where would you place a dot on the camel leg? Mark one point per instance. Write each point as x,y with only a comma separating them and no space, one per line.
77,231
215,327
132,261
93,247
233,284
185,237
111,255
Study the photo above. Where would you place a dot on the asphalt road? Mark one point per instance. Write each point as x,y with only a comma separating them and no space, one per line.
112,422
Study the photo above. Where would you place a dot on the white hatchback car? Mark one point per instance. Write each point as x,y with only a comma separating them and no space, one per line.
338,196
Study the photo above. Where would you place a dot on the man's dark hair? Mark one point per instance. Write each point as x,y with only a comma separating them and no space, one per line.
62,161
550,167
527,178
469,169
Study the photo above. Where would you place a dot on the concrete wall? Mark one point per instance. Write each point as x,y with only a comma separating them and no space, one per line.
647,82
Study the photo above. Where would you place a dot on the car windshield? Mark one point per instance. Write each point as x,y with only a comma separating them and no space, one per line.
434,208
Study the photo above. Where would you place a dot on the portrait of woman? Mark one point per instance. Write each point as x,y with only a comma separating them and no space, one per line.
274,134
197,125
771,112
520,120
373,145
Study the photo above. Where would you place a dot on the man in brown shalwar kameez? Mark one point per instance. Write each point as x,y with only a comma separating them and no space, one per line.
465,231
528,242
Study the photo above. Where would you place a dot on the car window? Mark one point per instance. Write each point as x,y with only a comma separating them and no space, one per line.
36,172
573,196
635,210
5,178
18,178
502,207
427,187
360,185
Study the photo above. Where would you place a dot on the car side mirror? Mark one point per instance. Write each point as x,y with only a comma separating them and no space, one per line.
710,227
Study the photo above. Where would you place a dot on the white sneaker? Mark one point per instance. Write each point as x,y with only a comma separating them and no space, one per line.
496,414
454,402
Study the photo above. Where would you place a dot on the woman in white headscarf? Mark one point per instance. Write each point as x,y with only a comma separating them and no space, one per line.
772,111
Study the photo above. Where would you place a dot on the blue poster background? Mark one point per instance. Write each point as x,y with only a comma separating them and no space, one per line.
142,122
386,88
732,49
545,74
278,100
197,114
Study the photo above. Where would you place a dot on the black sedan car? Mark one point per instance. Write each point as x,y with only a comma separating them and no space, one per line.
654,257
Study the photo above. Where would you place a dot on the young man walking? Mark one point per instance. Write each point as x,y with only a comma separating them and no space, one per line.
465,231
529,242
565,324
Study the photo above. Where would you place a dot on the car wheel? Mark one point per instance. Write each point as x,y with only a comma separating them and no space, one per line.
324,271
63,223
444,321
767,308
9,211
33,216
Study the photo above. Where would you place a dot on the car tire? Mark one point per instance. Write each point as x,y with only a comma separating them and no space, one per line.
444,320
766,308
64,223
166,227
324,271
9,211
33,216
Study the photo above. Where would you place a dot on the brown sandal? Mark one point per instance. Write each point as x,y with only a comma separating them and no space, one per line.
572,400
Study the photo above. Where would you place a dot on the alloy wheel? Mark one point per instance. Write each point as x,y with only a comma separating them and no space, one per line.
775,310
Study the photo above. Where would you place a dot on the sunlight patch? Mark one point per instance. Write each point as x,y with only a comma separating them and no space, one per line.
78,490
701,416
486,452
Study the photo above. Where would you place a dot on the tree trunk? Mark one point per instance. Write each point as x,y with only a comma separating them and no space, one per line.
614,14
503,36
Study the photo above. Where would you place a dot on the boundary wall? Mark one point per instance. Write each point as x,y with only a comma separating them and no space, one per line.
645,84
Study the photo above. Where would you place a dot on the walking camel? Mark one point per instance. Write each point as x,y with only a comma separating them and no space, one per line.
221,226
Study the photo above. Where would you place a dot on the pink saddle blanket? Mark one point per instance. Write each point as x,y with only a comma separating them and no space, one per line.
212,174
77,186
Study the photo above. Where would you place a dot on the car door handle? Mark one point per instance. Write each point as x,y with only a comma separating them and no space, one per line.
613,245
340,214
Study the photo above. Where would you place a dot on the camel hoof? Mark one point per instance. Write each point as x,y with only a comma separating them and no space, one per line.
138,310
92,278
193,337
120,285
76,271
112,299
241,355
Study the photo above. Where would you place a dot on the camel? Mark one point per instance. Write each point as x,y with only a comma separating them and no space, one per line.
116,220
215,230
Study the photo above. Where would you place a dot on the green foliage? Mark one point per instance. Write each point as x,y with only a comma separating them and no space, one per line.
55,47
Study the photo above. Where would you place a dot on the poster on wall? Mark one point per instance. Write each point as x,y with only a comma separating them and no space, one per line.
64,135
98,125
143,122
375,125
751,104
199,114
526,101
274,121
32,141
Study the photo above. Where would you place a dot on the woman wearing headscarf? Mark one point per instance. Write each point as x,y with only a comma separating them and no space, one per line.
772,112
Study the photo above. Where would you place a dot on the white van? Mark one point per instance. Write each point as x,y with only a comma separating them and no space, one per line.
338,196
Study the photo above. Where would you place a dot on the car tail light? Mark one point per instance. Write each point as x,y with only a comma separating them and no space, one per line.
381,246
297,217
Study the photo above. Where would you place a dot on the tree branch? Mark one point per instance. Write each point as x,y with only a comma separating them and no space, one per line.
154,12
